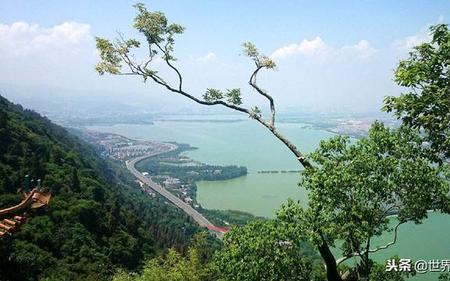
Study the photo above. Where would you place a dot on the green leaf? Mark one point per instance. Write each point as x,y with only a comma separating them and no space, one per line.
426,107
212,95
234,96
110,60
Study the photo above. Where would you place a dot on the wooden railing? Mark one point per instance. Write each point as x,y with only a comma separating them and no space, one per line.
22,205
11,218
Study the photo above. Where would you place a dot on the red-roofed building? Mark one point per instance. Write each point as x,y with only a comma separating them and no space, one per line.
218,229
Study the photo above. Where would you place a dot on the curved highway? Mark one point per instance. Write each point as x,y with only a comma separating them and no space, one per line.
194,214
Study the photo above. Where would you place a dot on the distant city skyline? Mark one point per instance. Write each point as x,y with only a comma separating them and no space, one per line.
332,55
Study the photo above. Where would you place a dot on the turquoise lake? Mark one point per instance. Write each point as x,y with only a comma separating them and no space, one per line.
248,144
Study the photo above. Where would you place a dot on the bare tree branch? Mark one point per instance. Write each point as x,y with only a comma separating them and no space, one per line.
167,59
150,55
252,83
142,71
390,243
346,257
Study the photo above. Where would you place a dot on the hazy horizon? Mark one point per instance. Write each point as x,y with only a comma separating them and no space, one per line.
332,57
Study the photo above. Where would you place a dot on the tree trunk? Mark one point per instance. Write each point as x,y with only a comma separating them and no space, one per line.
330,263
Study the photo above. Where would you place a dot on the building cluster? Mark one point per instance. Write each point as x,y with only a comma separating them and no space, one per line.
352,127
177,187
122,148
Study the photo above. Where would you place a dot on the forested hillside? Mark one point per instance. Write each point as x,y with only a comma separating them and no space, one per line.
97,220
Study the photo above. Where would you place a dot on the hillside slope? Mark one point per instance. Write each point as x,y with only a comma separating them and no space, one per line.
97,219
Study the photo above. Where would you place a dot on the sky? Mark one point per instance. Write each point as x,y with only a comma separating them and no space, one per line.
331,55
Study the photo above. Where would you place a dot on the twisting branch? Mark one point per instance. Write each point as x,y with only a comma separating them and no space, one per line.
159,36
167,60
252,83
394,240
237,108
130,63
150,57
270,126
390,243
301,158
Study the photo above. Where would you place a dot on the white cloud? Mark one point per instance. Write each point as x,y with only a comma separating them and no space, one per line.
315,46
50,55
209,57
21,38
362,50
318,48
409,42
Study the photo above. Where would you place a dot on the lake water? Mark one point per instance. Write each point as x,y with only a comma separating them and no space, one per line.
242,143
248,144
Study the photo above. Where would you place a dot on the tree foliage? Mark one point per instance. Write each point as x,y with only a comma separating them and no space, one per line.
265,250
260,250
175,267
427,105
261,61
98,219
355,186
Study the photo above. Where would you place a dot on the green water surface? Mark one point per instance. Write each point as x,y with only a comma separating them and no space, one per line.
247,143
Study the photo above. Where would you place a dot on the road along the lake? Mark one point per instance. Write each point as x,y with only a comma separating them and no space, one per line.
188,209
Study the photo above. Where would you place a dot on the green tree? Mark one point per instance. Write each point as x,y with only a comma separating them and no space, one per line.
354,187
426,106
175,267
117,58
327,219
265,250
378,272
75,181
105,223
